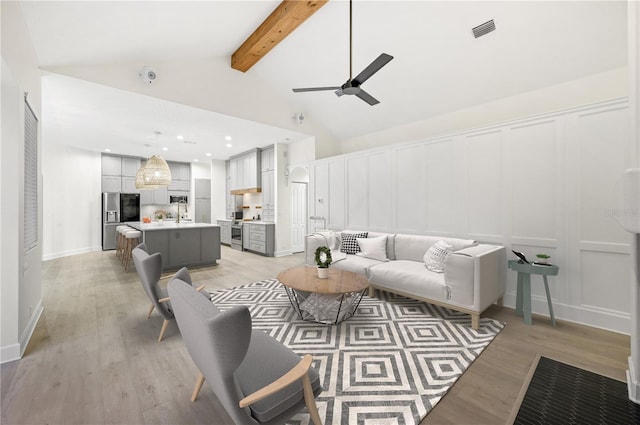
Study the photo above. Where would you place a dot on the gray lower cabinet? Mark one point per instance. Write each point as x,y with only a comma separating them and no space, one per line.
225,231
185,247
259,238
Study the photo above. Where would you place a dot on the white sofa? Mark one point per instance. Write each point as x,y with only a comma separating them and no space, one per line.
474,274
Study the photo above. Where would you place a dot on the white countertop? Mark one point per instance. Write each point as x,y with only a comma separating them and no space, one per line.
168,225
257,222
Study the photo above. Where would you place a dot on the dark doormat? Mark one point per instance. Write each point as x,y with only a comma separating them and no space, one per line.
558,393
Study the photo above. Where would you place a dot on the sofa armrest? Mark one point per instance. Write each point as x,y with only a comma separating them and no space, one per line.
476,276
313,241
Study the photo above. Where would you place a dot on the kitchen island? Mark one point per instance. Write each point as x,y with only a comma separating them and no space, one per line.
183,244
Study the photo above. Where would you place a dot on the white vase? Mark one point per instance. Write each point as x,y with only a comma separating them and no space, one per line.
323,272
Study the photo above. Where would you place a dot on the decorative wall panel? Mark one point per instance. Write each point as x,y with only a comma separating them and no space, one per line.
605,281
409,187
357,192
441,192
484,184
604,153
534,181
380,193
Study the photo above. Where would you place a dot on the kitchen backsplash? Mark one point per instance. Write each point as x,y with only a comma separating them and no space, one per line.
171,210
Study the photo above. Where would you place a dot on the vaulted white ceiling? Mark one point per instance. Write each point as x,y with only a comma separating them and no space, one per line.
438,66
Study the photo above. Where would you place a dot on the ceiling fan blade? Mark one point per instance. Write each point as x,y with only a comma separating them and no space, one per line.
315,89
367,97
373,67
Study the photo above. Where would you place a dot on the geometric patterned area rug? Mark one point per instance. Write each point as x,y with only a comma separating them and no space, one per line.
388,364
556,393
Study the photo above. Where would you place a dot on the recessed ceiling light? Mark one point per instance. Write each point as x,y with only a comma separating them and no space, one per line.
195,160
229,145
208,154
227,138
165,148
180,137
107,150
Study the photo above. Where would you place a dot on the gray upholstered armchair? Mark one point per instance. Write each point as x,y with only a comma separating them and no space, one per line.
255,377
149,269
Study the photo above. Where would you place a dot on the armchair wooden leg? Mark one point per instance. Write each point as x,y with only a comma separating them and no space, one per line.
164,328
150,311
310,401
197,388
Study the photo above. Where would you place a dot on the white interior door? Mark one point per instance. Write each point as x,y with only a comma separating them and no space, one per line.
298,215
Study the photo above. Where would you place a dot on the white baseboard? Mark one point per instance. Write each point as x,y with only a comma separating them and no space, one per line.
61,254
607,320
282,253
9,353
31,326
16,351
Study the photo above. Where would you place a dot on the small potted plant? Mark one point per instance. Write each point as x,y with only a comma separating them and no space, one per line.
542,258
323,261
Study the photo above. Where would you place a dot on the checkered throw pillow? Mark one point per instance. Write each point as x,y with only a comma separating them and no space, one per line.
349,243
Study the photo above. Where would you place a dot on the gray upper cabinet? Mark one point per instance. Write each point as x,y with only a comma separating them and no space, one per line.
111,165
180,170
129,185
244,170
111,184
268,160
130,166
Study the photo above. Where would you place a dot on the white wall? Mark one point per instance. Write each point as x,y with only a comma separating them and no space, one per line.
72,205
594,88
541,184
20,274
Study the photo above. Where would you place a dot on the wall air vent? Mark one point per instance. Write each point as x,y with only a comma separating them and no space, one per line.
484,29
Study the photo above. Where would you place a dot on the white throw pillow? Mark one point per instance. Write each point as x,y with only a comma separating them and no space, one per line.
434,257
374,248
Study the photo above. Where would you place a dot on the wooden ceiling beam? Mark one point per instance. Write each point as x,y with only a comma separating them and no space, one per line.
283,21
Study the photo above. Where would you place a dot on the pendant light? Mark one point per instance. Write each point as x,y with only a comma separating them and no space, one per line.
155,173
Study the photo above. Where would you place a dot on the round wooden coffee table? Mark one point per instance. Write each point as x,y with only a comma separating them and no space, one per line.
328,301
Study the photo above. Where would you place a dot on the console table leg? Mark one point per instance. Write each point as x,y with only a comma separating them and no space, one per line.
519,295
526,298
546,288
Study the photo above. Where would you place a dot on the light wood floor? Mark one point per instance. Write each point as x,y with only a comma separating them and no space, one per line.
94,358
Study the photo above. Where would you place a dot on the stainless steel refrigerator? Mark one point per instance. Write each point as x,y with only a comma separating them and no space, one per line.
117,208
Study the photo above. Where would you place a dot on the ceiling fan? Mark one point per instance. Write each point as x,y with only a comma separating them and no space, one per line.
352,86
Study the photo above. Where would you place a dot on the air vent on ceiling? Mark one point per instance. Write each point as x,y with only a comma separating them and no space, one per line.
190,142
484,29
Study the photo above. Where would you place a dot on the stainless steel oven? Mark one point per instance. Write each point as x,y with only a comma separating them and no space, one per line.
236,236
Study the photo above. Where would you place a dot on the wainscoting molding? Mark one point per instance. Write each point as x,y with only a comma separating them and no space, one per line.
541,184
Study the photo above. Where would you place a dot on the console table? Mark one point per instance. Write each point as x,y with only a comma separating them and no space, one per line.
523,296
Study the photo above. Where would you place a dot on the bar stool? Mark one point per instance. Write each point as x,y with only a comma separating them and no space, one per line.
132,239
120,239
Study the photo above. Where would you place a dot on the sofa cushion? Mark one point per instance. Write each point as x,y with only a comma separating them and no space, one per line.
410,277
374,248
356,264
349,244
434,257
